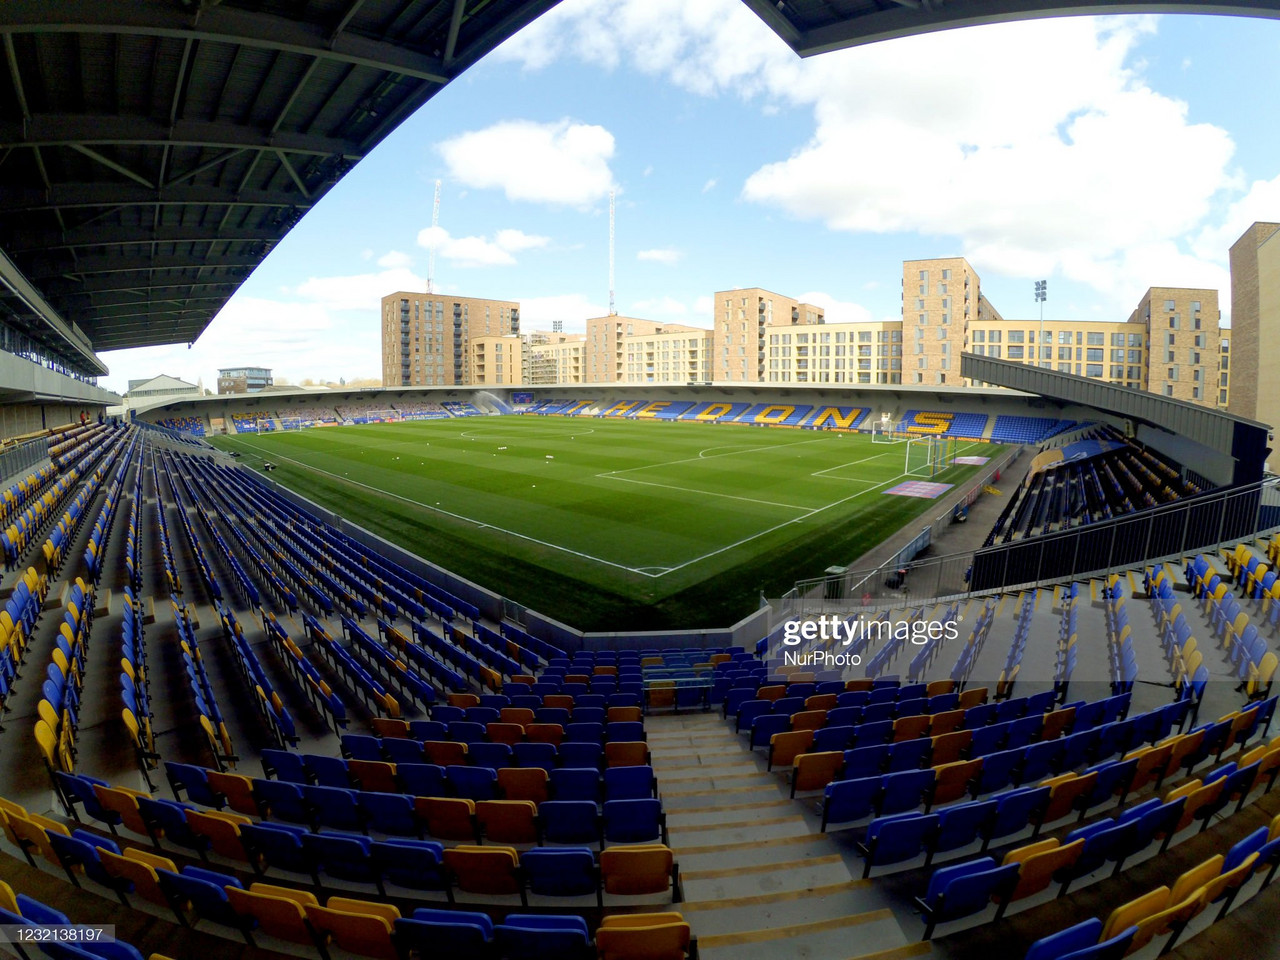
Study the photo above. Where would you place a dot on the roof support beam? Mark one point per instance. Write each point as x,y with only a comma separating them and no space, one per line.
112,165
455,24
217,161
67,196
64,130
110,265
293,175
123,236
161,18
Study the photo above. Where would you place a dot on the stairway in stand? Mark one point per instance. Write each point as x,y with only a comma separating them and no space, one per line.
756,870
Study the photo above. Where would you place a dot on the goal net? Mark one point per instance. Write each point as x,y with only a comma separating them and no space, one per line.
292,423
928,456
886,430
263,425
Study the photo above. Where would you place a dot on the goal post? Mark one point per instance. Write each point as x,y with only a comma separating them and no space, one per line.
263,425
929,455
885,430
292,423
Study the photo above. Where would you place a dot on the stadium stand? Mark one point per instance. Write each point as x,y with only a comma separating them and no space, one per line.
1015,429
191,425
522,777
967,426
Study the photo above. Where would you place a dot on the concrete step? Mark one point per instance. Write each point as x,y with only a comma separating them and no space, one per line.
730,882
740,831
870,936
729,811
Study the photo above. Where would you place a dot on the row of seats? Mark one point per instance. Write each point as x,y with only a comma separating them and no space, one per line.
368,928
853,799
135,697
20,493
634,817
895,839
506,746
59,706
1168,910
573,778
212,724
173,583
270,704
191,425
306,676
966,888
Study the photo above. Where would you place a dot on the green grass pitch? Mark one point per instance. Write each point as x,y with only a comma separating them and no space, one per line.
609,524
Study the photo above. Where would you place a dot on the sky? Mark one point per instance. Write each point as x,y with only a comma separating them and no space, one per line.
1106,155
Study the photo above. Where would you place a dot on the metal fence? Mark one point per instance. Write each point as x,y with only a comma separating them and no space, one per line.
1191,525
21,457
901,575
1174,529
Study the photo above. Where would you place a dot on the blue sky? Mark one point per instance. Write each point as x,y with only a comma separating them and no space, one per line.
1107,155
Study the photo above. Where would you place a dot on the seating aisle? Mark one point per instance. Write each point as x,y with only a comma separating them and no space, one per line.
759,879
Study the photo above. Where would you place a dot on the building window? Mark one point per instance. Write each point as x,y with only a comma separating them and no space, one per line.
1095,339
1016,336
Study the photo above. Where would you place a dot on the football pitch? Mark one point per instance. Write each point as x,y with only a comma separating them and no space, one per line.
609,524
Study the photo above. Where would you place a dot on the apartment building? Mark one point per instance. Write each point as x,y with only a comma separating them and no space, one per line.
495,361
554,358
939,299
1183,343
426,336
673,353
1255,322
740,330
849,353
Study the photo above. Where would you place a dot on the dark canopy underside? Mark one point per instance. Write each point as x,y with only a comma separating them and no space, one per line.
153,152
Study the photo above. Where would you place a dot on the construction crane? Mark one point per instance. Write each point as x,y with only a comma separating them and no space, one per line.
431,257
612,311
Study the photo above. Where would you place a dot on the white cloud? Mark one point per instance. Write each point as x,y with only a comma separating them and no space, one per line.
662,255
562,163
704,306
1080,167
709,185
574,309
295,340
836,311
480,251
361,291
394,258
1260,202
517,240
659,308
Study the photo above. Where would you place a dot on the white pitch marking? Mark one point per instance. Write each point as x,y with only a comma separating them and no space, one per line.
704,493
